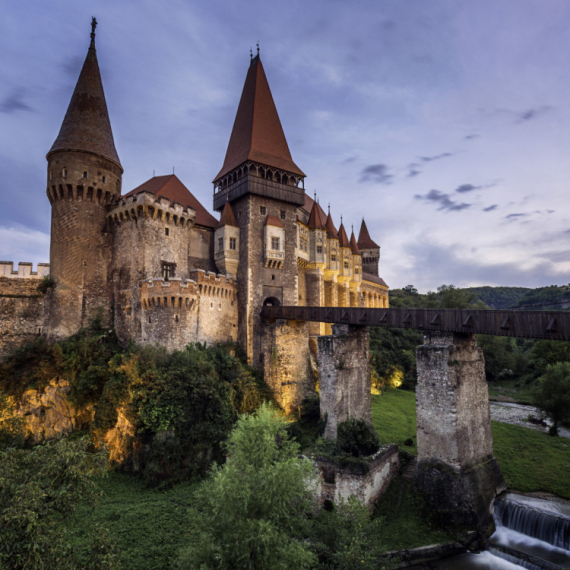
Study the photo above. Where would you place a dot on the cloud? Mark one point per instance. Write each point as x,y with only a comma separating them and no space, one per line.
436,157
413,170
467,188
567,231
532,113
471,137
15,102
349,159
444,201
513,217
490,208
376,173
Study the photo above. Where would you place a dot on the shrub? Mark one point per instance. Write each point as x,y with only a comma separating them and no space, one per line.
357,438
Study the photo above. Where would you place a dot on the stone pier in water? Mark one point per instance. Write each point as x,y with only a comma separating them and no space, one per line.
456,469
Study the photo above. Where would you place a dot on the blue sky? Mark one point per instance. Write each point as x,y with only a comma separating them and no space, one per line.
446,123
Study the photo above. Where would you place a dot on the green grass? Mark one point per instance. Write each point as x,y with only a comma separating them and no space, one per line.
407,521
530,460
394,418
148,526
511,391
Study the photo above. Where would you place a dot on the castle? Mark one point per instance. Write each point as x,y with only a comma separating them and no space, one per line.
158,265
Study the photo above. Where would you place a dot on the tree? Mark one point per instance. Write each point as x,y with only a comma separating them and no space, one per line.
552,394
251,512
39,487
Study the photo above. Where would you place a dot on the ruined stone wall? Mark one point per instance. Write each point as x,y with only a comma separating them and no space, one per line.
339,483
453,416
21,312
80,186
286,364
344,376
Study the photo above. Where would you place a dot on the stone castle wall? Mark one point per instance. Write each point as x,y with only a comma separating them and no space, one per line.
25,270
21,312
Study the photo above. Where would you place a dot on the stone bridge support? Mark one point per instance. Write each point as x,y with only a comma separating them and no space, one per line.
286,362
344,376
456,469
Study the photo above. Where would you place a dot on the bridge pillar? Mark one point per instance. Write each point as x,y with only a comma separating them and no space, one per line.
456,469
286,362
344,376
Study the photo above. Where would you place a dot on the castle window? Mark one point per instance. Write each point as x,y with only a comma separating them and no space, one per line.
166,231
50,175
239,214
64,173
220,244
283,214
168,270
85,174
333,257
104,179
346,264
262,210
275,243
319,249
233,243
356,270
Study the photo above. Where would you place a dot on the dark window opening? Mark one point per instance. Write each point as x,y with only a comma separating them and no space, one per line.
283,214
104,179
262,210
168,270
271,302
85,174
273,278
220,244
166,231
233,243
319,249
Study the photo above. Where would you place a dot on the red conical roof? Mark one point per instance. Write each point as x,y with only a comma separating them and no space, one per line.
353,245
331,230
364,239
172,188
274,221
257,133
227,218
315,221
342,237
86,126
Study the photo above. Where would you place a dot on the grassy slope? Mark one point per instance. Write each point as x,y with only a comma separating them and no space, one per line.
530,460
148,526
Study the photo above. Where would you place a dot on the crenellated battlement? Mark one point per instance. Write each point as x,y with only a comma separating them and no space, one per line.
24,271
79,193
147,205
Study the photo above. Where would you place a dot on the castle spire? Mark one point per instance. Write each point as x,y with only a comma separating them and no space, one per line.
86,126
343,238
315,222
354,245
329,225
257,134
364,239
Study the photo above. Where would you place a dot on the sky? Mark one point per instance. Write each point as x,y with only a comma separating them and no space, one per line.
445,123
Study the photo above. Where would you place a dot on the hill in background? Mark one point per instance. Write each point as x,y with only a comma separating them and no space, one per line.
553,297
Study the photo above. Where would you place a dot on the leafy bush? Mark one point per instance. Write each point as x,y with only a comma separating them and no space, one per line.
39,487
357,438
251,513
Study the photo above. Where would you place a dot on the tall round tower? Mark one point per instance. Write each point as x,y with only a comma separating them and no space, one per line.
84,175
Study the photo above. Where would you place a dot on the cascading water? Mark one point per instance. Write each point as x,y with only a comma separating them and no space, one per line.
533,533
530,533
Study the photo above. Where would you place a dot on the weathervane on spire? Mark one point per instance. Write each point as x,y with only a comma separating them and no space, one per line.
93,26
257,48
250,54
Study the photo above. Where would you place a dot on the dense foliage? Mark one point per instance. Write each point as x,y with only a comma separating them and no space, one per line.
552,394
552,297
499,297
39,488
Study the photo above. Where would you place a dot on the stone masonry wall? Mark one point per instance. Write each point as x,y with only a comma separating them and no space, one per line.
453,415
286,362
344,376
21,312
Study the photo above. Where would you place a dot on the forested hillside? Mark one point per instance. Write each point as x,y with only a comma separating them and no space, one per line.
500,297
553,297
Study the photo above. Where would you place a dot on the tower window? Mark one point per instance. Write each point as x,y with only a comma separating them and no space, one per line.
168,270
333,257
319,249
262,210
275,243
64,173
166,231
85,174
50,175
233,243
346,264
220,244
283,214
104,179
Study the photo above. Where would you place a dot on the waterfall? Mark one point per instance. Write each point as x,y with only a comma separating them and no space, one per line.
525,517
532,533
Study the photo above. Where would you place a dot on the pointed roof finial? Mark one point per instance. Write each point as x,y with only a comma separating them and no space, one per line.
93,26
329,208
314,196
250,54
257,48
